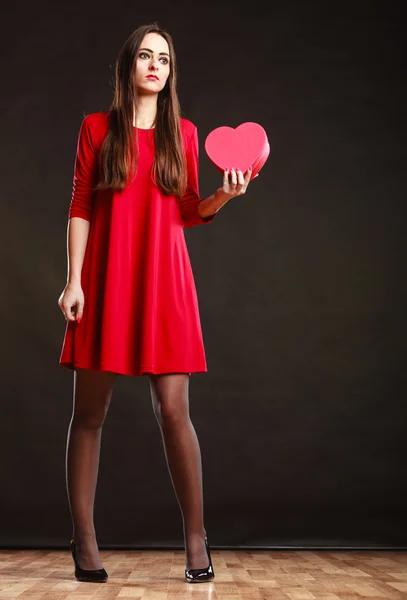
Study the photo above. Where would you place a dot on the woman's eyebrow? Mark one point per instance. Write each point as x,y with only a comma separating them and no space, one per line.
152,52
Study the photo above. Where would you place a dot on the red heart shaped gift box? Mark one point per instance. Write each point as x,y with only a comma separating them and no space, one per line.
241,147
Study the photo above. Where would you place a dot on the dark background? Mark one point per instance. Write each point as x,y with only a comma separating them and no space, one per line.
301,282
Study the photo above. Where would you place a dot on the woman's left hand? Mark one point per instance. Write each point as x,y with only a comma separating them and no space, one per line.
239,182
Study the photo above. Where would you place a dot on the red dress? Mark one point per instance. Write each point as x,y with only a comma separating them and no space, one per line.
141,310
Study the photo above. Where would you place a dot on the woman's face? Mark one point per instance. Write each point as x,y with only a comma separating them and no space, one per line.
152,59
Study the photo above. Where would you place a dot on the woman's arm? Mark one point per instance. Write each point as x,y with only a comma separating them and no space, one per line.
80,208
85,173
230,189
213,203
190,202
195,211
77,239
72,299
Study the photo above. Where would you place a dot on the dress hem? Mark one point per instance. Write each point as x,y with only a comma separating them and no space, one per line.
144,369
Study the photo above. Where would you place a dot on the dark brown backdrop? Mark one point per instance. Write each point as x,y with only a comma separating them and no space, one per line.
301,282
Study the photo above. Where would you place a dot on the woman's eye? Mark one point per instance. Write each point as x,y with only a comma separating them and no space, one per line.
142,54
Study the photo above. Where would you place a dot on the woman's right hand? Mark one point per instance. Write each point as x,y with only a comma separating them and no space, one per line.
71,302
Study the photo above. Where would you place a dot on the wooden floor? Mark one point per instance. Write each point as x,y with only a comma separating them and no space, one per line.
159,575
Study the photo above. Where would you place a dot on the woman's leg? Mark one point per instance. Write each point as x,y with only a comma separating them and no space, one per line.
91,399
169,393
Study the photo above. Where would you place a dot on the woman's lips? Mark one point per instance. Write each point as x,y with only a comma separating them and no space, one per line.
154,77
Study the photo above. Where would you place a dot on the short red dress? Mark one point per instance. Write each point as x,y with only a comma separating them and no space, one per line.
141,309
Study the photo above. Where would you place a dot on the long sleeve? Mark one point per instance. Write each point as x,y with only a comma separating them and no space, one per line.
85,174
190,200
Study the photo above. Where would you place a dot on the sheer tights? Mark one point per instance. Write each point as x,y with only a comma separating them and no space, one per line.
92,394
169,394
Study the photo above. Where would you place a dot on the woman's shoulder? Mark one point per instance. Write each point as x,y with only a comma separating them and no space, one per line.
187,126
97,120
96,124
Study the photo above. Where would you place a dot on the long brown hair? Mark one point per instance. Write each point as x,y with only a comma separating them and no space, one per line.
118,159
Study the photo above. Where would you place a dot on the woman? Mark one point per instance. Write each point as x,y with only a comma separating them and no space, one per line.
130,301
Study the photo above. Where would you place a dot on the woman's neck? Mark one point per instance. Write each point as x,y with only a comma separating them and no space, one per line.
147,111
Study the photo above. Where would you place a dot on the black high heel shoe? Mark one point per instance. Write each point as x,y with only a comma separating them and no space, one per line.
97,575
196,575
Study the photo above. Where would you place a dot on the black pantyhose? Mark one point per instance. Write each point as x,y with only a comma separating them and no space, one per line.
91,399
169,393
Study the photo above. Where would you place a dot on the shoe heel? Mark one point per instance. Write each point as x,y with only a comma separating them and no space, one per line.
198,575
89,575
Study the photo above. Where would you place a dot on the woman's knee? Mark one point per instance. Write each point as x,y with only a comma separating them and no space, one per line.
169,394
92,395
89,420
